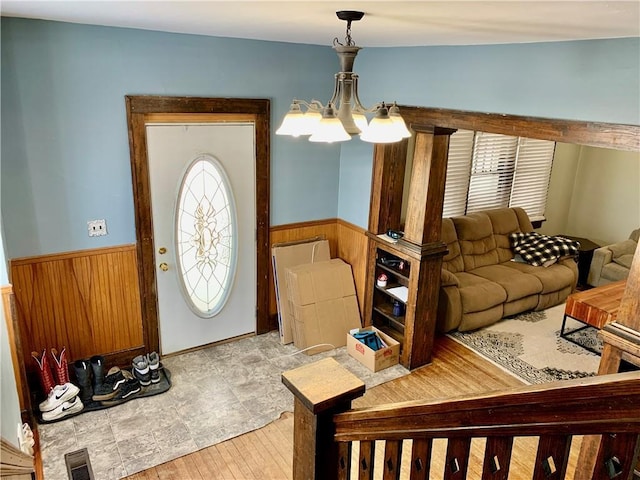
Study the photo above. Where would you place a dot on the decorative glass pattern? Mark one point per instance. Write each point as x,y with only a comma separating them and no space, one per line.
206,231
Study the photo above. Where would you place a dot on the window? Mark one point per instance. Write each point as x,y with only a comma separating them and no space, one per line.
489,170
206,236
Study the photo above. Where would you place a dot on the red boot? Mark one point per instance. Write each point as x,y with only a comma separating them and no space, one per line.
44,372
60,367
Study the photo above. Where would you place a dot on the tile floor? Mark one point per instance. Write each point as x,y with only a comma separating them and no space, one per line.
217,393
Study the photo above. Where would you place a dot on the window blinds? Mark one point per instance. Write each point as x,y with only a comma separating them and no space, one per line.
458,173
531,179
488,170
492,167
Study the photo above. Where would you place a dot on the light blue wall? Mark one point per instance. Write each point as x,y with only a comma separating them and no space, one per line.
65,152
594,80
65,156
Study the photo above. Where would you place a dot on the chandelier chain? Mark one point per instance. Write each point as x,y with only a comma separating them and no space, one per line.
347,39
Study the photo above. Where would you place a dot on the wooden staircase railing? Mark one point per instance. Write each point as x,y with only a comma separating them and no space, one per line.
333,441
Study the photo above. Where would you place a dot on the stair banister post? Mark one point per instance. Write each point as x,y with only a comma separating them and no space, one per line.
321,390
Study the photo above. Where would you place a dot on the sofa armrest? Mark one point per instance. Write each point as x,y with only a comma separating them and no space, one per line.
601,256
624,247
448,279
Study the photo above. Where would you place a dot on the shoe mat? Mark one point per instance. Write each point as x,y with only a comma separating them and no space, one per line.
154,389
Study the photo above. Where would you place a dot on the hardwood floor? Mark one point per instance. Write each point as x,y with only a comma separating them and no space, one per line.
267,453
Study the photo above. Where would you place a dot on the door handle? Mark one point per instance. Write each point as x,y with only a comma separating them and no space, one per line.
163,266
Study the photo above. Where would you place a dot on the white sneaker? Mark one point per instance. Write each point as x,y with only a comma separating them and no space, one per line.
58,395
67,408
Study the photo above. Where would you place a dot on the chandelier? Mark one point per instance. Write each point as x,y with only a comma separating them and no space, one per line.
344,115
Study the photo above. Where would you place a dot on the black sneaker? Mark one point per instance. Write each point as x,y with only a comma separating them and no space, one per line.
154,366
129,389
110,386
141,370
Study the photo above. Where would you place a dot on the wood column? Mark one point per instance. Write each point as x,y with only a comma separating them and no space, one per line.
387,185
321,390
621,342
426,191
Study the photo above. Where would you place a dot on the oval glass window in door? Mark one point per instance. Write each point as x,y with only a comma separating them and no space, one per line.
206,236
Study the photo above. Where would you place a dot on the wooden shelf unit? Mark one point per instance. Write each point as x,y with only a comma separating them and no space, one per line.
421,248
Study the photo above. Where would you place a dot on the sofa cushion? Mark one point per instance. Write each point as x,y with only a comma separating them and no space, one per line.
553,278
477,293
624,260
477,243
475,320
612,272
517,284
623,248
505,221
452,261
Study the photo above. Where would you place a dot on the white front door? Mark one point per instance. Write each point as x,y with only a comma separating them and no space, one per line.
203,206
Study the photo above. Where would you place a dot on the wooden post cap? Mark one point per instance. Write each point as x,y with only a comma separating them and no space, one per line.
323,384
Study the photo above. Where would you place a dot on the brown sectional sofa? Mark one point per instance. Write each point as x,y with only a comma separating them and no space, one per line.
480,282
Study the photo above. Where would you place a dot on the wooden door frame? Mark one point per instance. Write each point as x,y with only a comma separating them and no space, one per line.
140,108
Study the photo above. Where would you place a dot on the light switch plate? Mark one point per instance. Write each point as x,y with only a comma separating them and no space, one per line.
97,228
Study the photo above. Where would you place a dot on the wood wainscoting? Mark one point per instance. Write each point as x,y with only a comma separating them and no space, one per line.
89,301
346,241
86,301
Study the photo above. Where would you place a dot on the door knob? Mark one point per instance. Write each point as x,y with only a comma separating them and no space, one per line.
164,267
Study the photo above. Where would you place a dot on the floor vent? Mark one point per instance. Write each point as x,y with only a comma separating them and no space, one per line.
78,465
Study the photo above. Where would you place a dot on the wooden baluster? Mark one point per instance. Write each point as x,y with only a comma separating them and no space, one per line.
457,458
392,460
344,460
552,457
497,458
617,456
420,459
321,389
366,459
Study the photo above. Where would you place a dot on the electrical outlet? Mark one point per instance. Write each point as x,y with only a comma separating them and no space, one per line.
97,228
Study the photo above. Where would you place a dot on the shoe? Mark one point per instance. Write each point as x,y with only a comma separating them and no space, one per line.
64,409
154,366
110,386
82,369
44,372
60,366
129,389
97,367
59,394
141,370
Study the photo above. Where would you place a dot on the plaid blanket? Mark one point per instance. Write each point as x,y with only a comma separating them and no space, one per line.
538,249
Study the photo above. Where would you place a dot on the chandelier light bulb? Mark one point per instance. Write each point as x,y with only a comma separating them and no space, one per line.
329,129
381,128
293,122
398,121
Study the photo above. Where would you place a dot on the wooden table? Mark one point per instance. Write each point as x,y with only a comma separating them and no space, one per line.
595,308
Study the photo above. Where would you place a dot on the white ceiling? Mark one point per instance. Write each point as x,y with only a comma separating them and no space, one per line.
385,23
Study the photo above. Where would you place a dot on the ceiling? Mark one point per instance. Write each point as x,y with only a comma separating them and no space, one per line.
387,23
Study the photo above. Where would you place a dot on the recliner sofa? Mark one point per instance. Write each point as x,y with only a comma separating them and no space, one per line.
613,262
480,281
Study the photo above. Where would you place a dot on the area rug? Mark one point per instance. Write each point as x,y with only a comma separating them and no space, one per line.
529,346
217,393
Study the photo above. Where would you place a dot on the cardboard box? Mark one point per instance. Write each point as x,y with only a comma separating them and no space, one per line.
325,323
323,301
378,359
320,281
288,255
